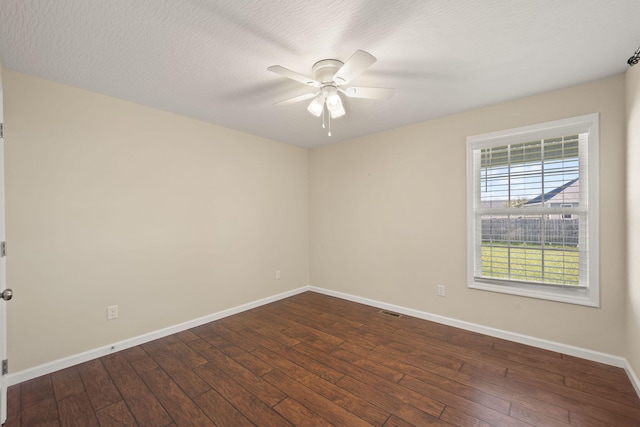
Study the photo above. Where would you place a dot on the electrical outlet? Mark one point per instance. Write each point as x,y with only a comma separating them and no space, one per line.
277,274
112,312
441,290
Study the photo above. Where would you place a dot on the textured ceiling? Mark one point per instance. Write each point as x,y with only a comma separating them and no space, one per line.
208,59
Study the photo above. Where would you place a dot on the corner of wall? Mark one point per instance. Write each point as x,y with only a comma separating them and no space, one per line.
632,351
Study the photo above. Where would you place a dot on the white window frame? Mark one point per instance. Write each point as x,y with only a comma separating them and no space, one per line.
588,295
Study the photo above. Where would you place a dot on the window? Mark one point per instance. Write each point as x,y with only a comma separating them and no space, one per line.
532,211
566,205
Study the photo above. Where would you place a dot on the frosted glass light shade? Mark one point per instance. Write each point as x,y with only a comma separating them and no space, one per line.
316,106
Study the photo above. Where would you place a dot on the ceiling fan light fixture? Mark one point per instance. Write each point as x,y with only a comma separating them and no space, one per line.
316,106
333,100
337,111
331,95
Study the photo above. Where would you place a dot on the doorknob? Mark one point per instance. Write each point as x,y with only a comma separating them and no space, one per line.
7,294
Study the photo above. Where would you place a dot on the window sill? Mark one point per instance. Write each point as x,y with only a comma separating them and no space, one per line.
579,296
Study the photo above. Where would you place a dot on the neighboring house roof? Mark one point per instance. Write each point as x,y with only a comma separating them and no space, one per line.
566,193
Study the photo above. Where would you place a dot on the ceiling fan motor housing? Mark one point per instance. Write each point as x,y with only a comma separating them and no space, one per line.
323,71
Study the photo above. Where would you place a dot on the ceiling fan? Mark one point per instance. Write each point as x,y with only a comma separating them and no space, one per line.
330,78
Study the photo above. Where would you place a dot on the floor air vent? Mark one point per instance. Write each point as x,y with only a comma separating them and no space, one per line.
390,313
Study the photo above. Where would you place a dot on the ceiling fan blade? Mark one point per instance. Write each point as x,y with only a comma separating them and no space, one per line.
285,72
354,66
369,92
297,99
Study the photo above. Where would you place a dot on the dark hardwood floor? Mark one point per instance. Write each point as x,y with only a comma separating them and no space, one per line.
314,360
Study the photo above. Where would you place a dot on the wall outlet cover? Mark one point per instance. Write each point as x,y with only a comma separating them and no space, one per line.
112,312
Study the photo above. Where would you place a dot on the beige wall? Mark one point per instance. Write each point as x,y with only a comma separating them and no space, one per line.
388,219
633,217
109,202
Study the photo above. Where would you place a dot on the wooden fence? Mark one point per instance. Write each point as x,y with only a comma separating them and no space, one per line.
560,231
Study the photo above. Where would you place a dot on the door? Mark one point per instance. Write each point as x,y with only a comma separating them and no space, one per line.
4,293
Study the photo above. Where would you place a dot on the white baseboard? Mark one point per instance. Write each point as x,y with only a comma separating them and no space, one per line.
76,359
583,353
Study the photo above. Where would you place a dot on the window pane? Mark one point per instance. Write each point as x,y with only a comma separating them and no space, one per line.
531,248
542,174
530,173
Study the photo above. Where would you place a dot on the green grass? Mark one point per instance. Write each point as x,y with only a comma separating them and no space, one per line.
525,263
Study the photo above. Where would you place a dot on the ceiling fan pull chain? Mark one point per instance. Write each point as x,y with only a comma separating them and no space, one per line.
323,116
329,124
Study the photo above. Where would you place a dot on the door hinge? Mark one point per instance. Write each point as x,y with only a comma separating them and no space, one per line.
5,367
3,249
1,130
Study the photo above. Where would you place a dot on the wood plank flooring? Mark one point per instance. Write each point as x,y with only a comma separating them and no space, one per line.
314,360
